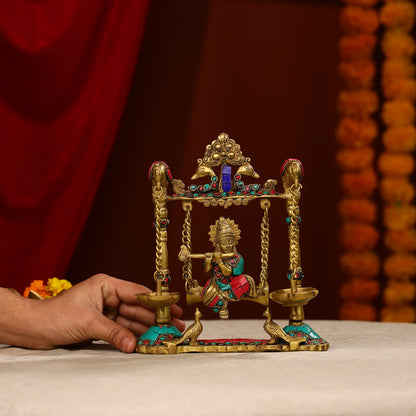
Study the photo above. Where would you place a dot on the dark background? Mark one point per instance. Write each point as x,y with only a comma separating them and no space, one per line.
265,73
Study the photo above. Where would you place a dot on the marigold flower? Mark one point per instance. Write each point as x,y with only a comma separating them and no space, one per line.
359,184
398,68
358,237
398,14
359,20
400,89
398,113
357,73
355,159
358,311
398,293
398,314
357,103
357,46
38,287
400,241
400,139
398,217
358,209
400,266
356,133
397,190
397,44
360,290
396,164
361,265
56,285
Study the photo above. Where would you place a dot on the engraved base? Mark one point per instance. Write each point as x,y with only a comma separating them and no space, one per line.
228,345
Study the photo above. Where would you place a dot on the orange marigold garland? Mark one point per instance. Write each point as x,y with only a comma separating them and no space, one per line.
396,163
355,134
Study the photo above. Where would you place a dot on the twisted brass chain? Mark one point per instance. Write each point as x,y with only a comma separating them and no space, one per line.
264,233
294,217
157,193
186,241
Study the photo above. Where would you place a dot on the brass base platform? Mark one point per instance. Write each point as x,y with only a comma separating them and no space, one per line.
228,345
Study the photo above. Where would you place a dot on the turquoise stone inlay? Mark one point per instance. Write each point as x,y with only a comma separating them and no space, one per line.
305,328
240,267
154,332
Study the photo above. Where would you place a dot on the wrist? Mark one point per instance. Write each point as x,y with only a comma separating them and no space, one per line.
22,321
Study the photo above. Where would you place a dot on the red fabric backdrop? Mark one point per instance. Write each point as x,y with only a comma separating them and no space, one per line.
65,70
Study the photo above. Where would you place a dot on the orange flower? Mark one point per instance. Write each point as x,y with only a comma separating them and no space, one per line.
394,69
396,164
400,89
397,44
362,265
401,14
401,240
400,266
359,20
357,103
359,184
357,46
402,314
400,139
38,287
356,133
355,159
358,311
396,189
399,217
398,113
358,237
357,73
361,290
398,293
357,209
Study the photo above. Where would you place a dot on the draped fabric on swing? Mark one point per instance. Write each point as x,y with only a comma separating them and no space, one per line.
66,67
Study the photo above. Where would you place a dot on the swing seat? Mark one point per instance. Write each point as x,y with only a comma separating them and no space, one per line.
262,297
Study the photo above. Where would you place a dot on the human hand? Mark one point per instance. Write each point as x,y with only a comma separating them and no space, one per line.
100,307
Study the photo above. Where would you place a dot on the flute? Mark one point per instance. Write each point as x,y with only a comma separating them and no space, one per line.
185,254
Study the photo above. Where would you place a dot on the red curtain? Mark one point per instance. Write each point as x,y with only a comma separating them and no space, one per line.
65,71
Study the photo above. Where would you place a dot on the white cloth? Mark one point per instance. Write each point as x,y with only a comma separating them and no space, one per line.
370,369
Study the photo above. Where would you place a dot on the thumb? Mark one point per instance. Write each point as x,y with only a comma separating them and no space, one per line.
113,333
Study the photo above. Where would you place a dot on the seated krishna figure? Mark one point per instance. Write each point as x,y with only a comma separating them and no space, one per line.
225,265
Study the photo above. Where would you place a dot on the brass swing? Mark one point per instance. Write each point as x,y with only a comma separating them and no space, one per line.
222,190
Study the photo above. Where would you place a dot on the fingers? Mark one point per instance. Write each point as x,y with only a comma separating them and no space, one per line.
137,313
176,311
112,332
179,324
138,328
125,291
144,317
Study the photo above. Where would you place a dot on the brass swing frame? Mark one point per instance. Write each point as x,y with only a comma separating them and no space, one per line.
225,151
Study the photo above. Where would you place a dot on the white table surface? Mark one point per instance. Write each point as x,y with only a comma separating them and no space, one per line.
370,369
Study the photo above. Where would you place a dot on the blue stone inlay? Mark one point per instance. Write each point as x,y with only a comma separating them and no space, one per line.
226,178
